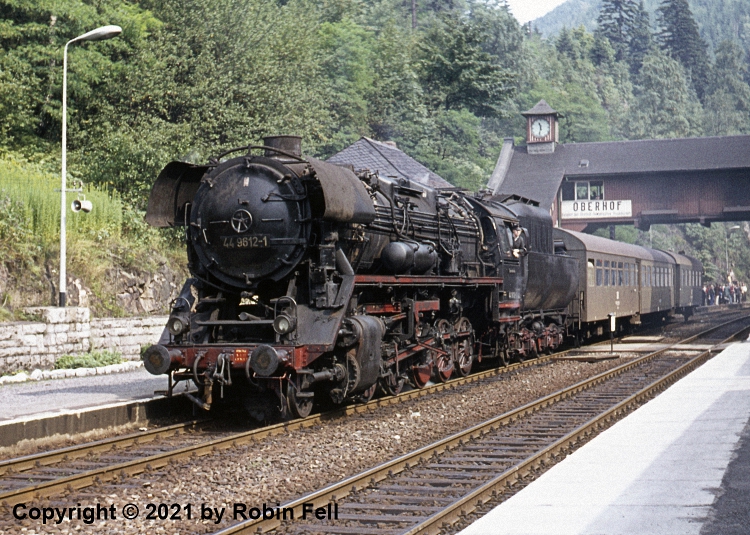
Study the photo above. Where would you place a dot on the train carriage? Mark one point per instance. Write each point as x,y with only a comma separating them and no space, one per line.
687,281
657,288
608,274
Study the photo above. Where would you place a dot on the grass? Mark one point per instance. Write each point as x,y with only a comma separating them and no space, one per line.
113,237
32,188
94,359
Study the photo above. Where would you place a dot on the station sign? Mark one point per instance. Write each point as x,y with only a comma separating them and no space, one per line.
595,209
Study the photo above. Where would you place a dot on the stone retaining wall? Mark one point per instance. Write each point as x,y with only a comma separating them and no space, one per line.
27,345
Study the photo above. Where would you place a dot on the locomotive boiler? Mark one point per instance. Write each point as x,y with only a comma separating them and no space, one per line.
312,282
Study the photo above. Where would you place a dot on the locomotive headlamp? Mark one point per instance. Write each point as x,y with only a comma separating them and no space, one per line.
284,324
176,325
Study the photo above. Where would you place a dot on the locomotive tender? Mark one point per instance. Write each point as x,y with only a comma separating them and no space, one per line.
309,281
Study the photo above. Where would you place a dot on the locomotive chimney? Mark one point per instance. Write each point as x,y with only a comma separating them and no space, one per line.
289,144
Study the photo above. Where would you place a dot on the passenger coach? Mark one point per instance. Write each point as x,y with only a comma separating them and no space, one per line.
629,281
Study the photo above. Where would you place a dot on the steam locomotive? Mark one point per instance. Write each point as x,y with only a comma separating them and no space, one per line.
311,282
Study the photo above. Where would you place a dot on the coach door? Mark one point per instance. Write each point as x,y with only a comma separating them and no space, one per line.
639,278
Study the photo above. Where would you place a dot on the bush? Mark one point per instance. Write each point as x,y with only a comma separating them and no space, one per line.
94,359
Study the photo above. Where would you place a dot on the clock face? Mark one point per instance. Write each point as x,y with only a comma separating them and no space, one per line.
540,128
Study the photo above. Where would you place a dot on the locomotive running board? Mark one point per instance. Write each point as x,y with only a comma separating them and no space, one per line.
380,280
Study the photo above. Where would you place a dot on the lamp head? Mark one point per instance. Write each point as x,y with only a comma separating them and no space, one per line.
99,34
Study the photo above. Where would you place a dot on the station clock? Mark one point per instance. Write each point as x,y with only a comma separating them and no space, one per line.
541,128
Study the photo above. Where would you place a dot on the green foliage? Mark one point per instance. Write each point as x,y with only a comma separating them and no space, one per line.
640,39
665,105
728,101
617,20
453,149
680,38
94,359
348,66
32,190
188,79
456,72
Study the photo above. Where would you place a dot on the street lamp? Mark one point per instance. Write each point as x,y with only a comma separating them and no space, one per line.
726,247
104,32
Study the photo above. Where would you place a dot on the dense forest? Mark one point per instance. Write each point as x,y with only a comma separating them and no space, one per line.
444,79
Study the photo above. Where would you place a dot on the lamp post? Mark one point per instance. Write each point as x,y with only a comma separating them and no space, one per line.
726,247
103,32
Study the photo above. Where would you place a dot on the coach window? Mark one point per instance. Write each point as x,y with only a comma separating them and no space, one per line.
599,274
606,273
620,276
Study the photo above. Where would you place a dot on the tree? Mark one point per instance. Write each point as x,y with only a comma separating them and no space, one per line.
640,39
616,21
728,101
679,37
347,63
32,38
501,35
625,24
456,72
666,106
208,81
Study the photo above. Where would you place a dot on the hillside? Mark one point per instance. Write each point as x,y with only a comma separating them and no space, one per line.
718,20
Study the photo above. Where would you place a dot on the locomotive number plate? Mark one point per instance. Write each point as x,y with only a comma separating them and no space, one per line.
245,242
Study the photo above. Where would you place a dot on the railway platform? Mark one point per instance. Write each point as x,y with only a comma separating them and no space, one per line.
679,465
38,409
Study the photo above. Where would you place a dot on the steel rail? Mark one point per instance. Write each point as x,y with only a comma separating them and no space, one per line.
135,466
468,503
70,453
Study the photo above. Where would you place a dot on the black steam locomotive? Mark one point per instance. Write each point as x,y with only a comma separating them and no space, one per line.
310,281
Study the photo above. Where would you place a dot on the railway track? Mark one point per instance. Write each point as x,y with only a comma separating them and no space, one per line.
52,473
430,488
77,467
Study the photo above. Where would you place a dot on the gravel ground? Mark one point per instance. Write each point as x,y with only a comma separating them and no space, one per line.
277,469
